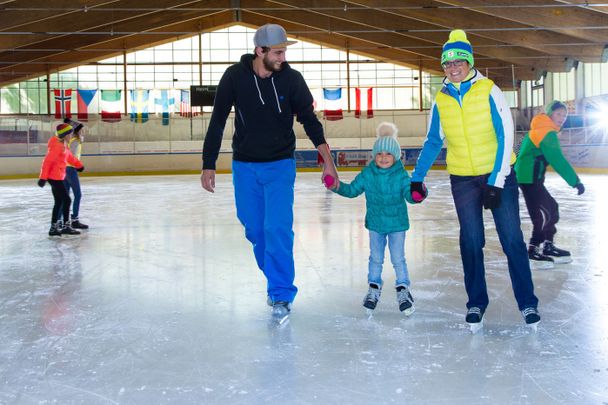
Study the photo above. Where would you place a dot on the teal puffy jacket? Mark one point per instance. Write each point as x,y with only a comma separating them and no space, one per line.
386,191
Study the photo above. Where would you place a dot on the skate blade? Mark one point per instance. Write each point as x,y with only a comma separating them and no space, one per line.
540,265
562,260
409,311
280,320
533,326
475,327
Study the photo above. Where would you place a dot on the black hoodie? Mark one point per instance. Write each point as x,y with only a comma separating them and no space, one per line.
264,111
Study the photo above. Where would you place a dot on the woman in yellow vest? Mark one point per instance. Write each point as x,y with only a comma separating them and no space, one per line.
71,174
471,114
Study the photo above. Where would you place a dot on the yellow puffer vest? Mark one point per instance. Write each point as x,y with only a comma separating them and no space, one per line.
470,135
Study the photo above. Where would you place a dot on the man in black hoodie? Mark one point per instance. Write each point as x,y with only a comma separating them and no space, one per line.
266,94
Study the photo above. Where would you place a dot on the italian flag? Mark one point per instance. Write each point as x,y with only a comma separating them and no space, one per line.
110,105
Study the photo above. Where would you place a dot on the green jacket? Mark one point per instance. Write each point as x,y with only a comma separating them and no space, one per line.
386,191
539,149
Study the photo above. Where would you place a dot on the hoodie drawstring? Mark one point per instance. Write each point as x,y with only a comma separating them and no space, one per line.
273,87
276,95
258,87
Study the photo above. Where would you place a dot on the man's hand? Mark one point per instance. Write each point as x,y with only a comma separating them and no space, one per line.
208,180
329,169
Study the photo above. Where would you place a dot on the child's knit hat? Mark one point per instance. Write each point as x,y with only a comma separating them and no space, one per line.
555,105
387,140
64,130
457,47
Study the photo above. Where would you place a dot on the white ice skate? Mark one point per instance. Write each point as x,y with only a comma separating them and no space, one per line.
532,318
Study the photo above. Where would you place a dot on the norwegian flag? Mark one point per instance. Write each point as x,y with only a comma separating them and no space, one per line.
63,103
185,109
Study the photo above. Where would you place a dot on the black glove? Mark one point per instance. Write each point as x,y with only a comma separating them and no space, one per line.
418,191
491,197
579,186
41,183
80,169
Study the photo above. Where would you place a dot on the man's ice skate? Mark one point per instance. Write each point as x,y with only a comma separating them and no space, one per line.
558,255
475,319
538,260
280,311
405,300
532,317
371,298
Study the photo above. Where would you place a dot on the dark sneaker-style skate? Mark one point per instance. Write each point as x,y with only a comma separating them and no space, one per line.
67,230
537,259
280,311
475,319
55,230
531,316
373,295
405,300
76,224
558,255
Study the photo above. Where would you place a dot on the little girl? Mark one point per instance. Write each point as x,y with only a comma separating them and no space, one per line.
386,185
53,171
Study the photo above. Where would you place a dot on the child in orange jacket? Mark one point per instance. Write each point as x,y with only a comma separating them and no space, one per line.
53,171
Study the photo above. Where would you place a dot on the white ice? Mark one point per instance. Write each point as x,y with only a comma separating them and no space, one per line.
160,302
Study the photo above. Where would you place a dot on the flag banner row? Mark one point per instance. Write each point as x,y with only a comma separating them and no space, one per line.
333,104
108,104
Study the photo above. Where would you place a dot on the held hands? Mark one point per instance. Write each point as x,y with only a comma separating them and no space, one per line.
41,182
418,191
579,186
80,169
491,197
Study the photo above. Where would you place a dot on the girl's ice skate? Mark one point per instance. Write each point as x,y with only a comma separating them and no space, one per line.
371,298
475,319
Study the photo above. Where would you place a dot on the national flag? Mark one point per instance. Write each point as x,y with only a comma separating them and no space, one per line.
110,105
185,109
333,102
369,112
84,99
63,103
139,105
165,102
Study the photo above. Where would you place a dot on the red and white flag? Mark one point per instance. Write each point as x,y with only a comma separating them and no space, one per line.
63,103
369,113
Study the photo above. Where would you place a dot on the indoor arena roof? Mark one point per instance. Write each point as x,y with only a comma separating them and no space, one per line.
512,39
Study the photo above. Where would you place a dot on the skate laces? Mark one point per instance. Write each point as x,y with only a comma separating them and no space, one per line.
529,311
474,310
403,295
373,294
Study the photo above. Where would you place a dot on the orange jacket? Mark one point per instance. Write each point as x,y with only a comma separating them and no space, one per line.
57,156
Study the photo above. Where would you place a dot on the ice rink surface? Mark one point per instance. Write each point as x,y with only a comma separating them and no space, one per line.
160,302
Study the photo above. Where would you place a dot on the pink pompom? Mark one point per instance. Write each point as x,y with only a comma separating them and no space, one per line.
417,197
328,180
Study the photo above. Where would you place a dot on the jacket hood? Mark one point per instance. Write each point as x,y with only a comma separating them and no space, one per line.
540,126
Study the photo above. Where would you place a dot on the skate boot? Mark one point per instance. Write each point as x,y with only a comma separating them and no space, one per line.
558,255
68,231
537,259
76,224
532,317
55,229
280,311
371,298
405,300
475,319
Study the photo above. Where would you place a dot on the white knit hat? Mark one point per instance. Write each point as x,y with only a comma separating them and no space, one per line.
387,140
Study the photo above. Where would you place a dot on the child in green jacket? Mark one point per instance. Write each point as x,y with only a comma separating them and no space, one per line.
539,149
386,185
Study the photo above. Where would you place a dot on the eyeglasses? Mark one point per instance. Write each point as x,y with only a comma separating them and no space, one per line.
454,63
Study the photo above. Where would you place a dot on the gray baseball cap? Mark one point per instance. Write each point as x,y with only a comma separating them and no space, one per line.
271,36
